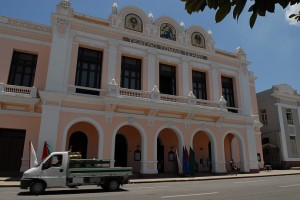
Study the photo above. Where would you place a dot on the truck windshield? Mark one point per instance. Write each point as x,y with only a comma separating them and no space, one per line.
53,161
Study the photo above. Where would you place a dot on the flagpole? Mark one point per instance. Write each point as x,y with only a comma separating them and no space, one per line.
29,154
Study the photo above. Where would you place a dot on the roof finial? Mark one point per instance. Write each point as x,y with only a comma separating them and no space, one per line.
65,4
150,16
115,8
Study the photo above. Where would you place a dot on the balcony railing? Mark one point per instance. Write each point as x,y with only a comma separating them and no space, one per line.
15,90
114,90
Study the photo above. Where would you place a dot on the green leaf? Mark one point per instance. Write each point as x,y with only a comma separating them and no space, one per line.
213,4
270,6
195,5
283,3
223,11
292,15
253,19
261,12
240,5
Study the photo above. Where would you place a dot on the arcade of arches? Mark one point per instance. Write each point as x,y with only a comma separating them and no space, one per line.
83,137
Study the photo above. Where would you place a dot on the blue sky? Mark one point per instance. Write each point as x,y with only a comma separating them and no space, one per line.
272,46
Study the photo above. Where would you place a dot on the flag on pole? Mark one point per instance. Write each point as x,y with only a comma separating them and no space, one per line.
178,163
32,157
192,162
46,150
185,162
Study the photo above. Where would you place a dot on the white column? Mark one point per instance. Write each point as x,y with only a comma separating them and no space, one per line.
112,60
60,56
298,113
245,92
252,152
48,128
185,76
151,68
282,135
215,81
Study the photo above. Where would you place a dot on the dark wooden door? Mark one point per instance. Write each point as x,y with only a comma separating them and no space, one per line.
160,157
11,149
120,151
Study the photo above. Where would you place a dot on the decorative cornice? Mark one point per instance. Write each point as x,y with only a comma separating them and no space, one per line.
26,27
103,26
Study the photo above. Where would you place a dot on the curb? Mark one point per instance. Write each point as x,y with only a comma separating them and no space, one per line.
4,183
208,178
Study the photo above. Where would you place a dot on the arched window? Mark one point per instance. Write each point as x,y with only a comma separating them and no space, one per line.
133,22
198,40
167,31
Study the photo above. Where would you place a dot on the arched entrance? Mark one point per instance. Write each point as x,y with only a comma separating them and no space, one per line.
83,137
78,143
203,152
232,149
128,148
121,151
167,142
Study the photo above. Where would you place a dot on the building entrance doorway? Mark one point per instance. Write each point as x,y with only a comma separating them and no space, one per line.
121,151
78,143
11,147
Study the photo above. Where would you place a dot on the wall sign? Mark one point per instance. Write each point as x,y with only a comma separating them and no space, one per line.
164,48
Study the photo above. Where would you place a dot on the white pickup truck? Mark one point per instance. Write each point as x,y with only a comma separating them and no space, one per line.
59,169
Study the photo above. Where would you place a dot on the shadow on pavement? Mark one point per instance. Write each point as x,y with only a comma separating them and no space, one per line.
67,192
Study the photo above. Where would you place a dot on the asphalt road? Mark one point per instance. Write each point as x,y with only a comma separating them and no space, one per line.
259,188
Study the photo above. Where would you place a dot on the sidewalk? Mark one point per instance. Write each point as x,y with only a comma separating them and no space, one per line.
15,181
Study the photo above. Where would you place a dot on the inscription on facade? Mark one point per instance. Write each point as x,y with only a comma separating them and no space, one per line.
164,48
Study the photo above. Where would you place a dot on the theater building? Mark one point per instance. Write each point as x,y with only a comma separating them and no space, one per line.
131,89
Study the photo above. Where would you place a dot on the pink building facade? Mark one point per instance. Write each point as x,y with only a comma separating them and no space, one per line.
130,89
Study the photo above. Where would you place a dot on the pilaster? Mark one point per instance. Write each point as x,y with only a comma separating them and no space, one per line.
245,91
112,59
215,76
49,127
251,139
282,134
185,76
151,68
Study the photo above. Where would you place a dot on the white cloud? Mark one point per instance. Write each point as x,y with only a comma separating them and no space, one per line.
292,10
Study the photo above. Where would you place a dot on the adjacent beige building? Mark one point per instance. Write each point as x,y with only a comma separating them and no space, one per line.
279,109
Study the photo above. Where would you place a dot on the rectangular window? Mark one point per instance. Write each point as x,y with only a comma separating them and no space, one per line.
228,93
131,73
289,116
199,85
22,69
167,79
293,144
263,116
89,69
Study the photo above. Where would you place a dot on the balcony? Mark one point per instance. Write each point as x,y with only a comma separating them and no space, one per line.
15,90
113,90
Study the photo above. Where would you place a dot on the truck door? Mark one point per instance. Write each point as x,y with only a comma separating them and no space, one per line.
54,171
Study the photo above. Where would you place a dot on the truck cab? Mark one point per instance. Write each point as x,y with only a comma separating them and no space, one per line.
50,173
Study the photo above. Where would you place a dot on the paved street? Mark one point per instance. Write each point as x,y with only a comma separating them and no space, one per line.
258,188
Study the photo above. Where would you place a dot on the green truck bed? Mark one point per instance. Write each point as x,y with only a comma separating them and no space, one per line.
95,168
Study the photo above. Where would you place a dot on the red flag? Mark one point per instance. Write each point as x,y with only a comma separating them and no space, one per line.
46,150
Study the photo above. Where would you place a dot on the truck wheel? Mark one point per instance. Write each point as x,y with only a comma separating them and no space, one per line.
112,185
37,187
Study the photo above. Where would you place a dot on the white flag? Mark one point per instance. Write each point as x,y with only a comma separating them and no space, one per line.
33,158
178,163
